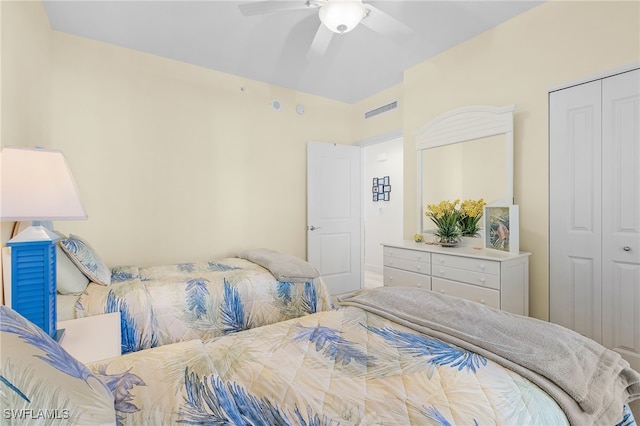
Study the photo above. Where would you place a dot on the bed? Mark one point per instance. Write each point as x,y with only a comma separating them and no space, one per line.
166,304
386,356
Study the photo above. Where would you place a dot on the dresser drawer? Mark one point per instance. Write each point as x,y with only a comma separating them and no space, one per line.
476,278
408,265
398,253
468,263
398,277
482,295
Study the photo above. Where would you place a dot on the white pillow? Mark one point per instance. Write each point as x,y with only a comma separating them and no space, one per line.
69,279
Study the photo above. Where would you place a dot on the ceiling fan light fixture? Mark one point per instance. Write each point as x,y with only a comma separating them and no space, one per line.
341,16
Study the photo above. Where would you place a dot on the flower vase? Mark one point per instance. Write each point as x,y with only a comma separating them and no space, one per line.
448,241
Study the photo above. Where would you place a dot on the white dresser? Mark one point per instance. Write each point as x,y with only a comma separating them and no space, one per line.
492,277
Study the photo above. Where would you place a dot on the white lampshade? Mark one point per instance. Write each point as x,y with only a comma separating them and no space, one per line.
341,16
37,185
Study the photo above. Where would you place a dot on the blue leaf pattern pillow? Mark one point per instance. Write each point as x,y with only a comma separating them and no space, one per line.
85,258
40,381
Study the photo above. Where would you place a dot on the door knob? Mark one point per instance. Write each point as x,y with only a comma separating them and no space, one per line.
626,248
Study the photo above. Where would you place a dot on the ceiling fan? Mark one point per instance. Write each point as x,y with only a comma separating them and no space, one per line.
337,17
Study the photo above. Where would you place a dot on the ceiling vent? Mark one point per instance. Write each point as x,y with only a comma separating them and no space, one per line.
388,107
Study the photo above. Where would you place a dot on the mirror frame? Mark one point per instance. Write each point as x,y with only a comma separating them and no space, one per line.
465,124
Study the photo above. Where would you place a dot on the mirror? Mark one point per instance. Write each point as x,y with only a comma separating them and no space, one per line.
465,154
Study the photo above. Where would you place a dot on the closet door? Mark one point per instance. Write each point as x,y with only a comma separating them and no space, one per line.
621,215
575,285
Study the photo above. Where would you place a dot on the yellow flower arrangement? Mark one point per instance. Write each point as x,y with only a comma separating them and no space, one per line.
470,214
456,219
445,215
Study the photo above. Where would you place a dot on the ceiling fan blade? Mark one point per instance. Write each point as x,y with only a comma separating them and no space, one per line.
385,24
320,43
272,6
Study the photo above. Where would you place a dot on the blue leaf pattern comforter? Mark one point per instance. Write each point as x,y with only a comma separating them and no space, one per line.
339,367
167,304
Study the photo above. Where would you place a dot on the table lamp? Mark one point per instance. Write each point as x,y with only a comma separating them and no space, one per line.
36,185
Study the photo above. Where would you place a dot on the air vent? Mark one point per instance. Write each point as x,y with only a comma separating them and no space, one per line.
380,110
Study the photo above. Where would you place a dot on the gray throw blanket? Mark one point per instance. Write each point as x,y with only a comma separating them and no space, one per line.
589,382
284,267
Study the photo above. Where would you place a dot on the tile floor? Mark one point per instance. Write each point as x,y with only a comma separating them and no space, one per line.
372,279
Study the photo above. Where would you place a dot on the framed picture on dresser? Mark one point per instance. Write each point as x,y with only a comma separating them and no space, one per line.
501,227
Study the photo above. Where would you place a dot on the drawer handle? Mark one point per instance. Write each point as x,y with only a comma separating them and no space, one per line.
419,257
441,272
391,262
482,301
418,267
442,291
482,267
441,260
419,285
482,280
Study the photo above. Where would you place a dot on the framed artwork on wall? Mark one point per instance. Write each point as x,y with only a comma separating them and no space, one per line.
381,189
501,228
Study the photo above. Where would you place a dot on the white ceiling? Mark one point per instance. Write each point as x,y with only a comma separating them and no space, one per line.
272,48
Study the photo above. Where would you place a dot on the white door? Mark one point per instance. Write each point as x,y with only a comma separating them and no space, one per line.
621,215
594,211
334,225
574,209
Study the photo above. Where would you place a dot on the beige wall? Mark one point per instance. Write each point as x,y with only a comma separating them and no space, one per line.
176,162
516,63
25,117
25,80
